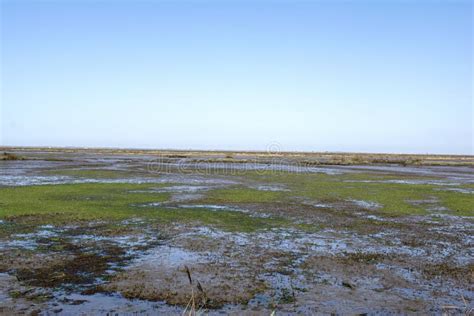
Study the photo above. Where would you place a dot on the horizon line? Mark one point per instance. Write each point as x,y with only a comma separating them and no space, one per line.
2,147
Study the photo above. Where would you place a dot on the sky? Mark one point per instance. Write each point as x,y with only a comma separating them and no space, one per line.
363,76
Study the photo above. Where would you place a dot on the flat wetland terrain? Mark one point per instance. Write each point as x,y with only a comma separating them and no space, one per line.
131,232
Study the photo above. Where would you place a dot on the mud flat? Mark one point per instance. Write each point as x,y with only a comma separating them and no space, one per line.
142,232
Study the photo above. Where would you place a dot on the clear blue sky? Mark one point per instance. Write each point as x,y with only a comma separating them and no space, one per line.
375,76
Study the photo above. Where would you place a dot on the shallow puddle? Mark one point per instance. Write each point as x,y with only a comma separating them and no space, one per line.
168,257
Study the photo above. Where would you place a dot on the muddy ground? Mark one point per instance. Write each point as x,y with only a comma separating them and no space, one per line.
231,237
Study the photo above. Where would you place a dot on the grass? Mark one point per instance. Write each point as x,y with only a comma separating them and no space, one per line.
231,221
392,197
63,204
66,203
88,201
9,156
395,198
243,195
460,203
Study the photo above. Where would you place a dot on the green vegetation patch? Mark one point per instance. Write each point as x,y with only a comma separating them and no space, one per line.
460,203
394,198
10,156
67,203
87,201
226,220
243,195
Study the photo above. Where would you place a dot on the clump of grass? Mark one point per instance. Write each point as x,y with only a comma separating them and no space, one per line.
362,257
358,160
197,301
288,295
465,309
177,156
440,270
10,156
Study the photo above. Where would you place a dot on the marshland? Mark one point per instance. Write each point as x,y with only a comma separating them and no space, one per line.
209,157
97,231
